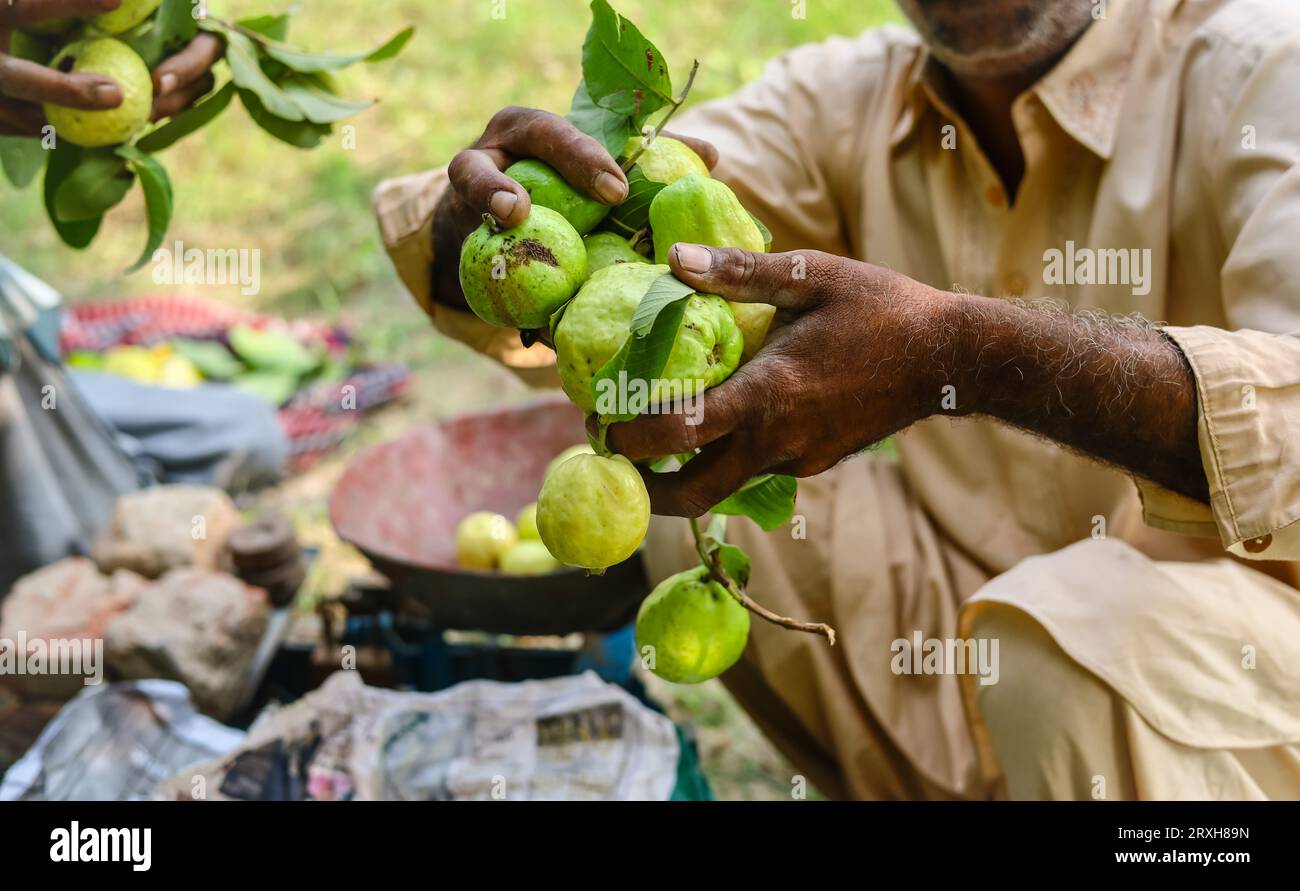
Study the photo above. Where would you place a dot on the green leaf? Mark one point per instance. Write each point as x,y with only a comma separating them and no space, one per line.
273,386
171,28
300,134
187,121
249,77
633,214
608,128
301,60
764,231
62,161
717,527
664,291
623,71
213,360
157,188
768,500
21,158
272,351
275,27
318,105
735,563
610,371
98,183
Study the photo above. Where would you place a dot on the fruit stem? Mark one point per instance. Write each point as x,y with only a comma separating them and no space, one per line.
659,128
713,563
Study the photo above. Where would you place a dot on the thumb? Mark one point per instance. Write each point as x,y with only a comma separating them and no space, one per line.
783,280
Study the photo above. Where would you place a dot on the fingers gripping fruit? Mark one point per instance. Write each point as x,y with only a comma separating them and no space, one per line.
606,249
548,189
701,210
125,17
515,278
482,539
593,511
666,160
596,323
92,129
690,629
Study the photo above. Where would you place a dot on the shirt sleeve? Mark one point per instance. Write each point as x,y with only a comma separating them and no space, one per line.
1248,379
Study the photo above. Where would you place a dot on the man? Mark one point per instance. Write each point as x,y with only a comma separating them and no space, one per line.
1111,501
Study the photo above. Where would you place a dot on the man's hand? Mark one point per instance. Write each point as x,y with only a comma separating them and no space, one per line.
478,185
857,353
854,355
26,85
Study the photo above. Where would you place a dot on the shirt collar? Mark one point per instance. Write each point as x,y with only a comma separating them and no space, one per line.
1084,91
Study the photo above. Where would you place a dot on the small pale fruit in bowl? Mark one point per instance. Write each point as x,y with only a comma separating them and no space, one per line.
526,523
528,557
482,538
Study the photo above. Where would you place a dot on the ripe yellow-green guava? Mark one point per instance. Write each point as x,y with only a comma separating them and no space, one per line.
593,511
482,539
690,629
580,449
666,160
516,278
606,249
526,523
701,210
599,318
548,189
112,58
125,17
528,557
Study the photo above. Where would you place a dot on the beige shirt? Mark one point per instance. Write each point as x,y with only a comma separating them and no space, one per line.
1161,154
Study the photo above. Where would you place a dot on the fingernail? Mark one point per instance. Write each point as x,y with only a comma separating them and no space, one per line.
166,83
610,188
109,94
693,258
502,203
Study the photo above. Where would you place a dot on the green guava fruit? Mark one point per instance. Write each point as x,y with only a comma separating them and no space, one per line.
482,539
593,511
690,629
50,27
29,48
516,278
580,449
112,58
666,160
528,558
526,523
701,210
607,248
598,320
125,17
549,189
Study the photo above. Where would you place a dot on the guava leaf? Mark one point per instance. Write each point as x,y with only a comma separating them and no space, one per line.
99,182
62,161
663,292
249,76
609,128
187,121
300,134
633,214
303,61
624,72
762,230
21,159
158,203
768,500
275,27
610,371
173,26
318,105
717,527
735,563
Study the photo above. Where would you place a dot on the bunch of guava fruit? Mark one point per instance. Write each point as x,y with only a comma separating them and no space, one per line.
92,159
596,278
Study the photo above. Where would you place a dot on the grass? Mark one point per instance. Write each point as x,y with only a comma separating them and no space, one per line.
309,215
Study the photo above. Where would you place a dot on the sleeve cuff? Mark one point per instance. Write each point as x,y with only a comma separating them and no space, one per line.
1248,408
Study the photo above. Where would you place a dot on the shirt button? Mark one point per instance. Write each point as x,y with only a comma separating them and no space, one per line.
1016,284
993,195
1257,545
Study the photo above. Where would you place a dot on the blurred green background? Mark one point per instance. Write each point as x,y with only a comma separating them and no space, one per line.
309,214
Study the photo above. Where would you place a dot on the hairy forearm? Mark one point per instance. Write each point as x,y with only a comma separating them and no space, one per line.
1114,388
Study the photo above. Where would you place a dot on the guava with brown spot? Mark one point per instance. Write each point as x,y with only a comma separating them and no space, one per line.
515,278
